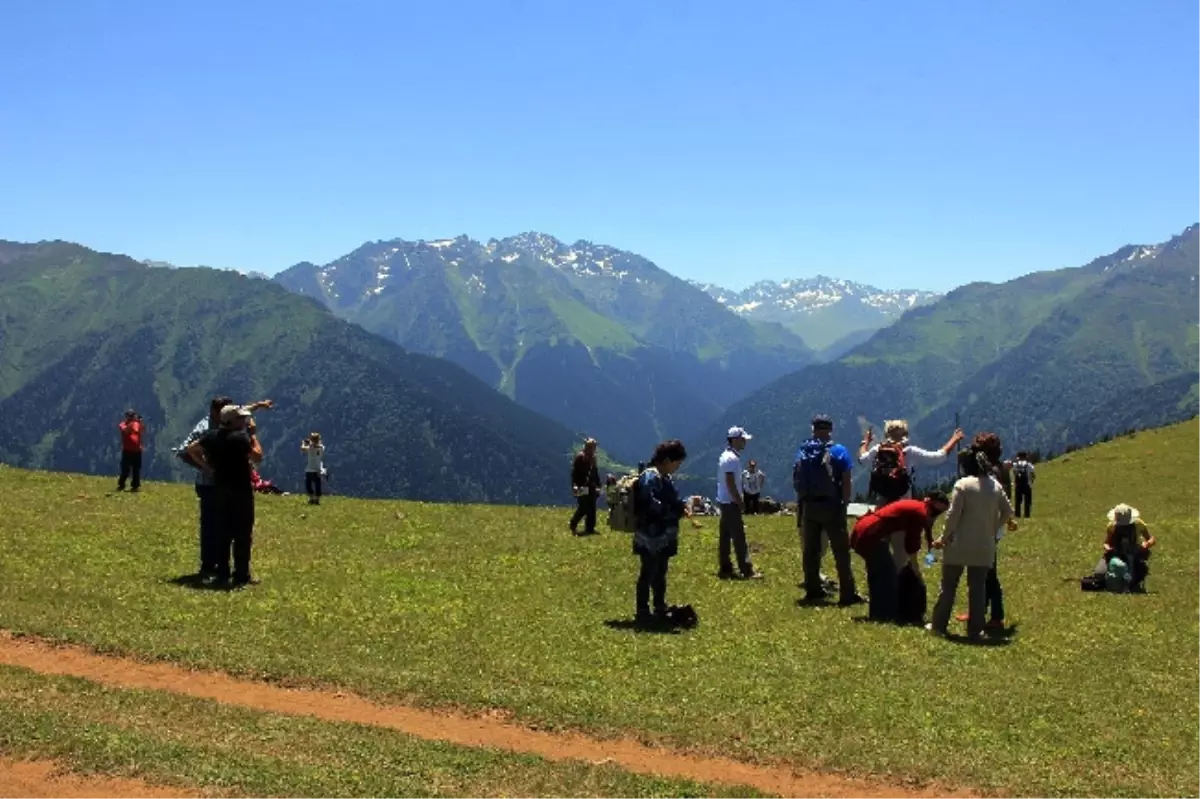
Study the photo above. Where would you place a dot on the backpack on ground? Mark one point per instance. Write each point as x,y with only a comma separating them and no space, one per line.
682,616
812,472
1118,576
889,474
622,504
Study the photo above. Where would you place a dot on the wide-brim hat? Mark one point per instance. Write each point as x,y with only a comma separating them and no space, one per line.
1124,514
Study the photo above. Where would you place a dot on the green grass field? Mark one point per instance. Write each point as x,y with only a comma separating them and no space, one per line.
480,607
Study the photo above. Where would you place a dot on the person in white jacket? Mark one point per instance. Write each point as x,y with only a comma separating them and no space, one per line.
978,508
905,456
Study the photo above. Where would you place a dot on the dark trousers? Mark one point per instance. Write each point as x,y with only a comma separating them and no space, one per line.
236,518
733,536
1024,499
995,595
881,582
312,484
819,519
652,579
751,503
585,511
210,530
131,465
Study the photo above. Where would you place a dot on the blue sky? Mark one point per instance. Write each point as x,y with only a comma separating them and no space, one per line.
922,144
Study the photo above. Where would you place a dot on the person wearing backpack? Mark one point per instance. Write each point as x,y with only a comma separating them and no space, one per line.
821,477
658,509
729,498
893,460
1023,476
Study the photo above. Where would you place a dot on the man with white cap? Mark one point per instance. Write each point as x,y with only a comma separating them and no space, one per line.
227,454
729,498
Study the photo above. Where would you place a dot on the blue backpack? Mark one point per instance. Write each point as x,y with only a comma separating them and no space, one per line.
813,473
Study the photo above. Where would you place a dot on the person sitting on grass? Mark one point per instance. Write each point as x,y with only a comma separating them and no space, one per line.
656,539
1128,538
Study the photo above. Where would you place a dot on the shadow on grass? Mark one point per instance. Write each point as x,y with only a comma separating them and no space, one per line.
633,626
197,582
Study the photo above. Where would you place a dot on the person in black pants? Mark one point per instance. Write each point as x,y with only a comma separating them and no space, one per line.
132,431
585,484
656,539
1024,475
227,453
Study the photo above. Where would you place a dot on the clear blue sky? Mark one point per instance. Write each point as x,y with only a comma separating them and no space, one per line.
897,143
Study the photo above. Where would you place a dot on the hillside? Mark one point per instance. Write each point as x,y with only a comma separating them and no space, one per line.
1046,360
830,314
84,334
599,339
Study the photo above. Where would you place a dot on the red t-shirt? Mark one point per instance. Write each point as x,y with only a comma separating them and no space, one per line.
131,436
907,516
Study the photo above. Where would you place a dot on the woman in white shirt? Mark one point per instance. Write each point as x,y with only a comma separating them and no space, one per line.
978,508
314,468
753,481
895,433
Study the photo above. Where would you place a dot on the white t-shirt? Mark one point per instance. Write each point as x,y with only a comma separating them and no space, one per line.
315,454
730,463
752,482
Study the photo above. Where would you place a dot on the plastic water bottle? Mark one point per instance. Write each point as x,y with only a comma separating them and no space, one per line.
930,558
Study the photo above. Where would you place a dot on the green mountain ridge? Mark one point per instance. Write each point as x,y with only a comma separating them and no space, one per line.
1046,360
84,334
596,338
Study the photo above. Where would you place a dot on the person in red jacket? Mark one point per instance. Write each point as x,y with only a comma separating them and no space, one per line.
888,539
132,430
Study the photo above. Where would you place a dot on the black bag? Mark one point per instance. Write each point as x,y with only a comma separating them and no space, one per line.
682,616
911,597
889,474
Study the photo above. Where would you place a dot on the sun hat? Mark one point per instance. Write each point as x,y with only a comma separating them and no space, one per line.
1123,514
738,432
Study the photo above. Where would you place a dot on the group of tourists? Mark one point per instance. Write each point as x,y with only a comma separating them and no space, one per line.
889,537
225,450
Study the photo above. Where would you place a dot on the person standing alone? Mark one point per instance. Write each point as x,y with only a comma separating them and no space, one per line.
1023,476
752,485
132,431
314,451
227,453
729,498
585,485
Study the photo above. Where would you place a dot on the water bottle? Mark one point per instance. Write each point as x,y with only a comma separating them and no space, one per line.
930,558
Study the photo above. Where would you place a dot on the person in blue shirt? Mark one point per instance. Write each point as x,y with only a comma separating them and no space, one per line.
821,476
659,508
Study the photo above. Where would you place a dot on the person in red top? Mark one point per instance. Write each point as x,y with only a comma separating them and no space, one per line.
880,537
132,430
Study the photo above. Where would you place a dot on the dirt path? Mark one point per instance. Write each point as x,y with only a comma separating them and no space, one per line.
44,778
489,733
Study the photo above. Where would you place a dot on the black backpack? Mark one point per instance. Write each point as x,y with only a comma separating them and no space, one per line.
889,474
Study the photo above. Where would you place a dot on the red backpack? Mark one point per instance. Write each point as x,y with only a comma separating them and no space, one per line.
890,479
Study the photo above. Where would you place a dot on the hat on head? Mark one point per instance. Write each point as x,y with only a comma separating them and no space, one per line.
131,412
231,412
738,432
822,420
1123,514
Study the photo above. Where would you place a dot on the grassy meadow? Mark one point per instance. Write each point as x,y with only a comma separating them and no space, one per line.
500,607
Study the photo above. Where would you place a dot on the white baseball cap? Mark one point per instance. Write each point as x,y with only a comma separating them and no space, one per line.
737,432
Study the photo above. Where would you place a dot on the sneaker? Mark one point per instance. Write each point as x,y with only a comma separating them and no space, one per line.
939,633
851,600
242,582
752,575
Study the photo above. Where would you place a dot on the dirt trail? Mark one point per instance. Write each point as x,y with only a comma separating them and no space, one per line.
44,778
489,733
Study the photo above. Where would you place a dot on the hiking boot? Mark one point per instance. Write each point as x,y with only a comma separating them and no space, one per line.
851,600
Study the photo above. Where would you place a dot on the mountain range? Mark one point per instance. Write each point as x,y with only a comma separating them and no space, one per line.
598,339
1046,360
831,315
83,335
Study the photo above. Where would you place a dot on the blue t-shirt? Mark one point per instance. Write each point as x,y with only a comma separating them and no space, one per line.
839,456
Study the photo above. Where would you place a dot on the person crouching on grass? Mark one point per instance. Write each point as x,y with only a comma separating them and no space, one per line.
314,450
658,508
